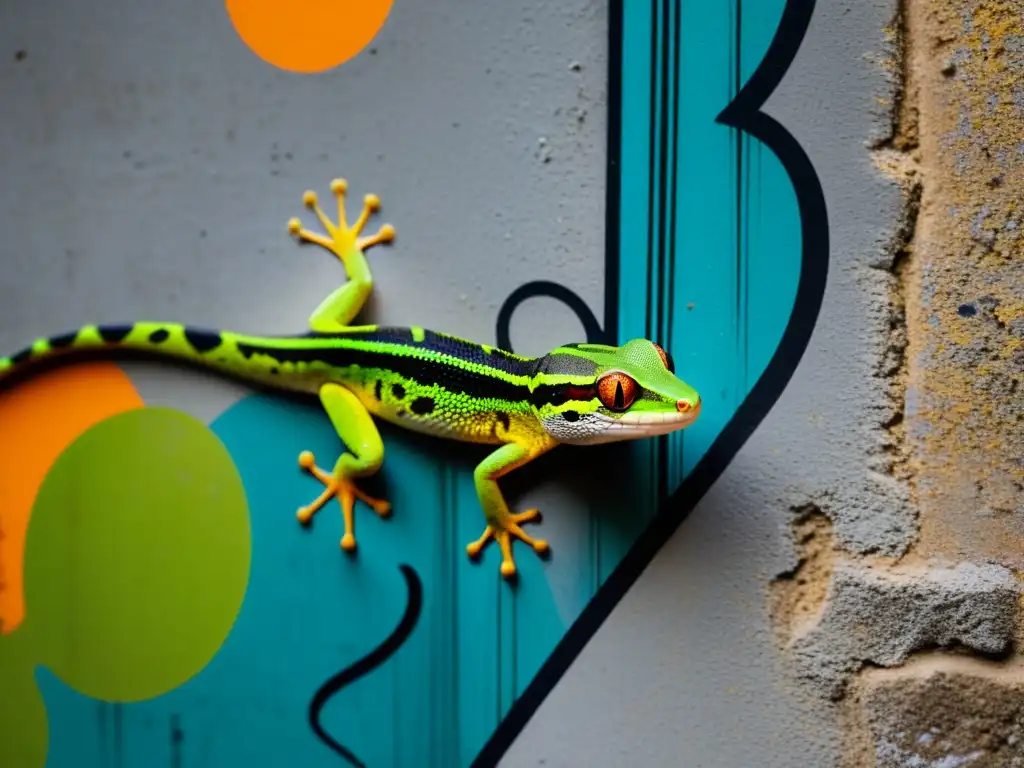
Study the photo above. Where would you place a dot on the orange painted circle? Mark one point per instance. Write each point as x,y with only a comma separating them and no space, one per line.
307,35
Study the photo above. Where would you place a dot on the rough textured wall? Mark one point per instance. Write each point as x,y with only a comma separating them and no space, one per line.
921,653
946,617
893,466
965,277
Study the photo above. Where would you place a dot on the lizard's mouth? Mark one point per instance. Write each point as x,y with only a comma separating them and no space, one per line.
647,423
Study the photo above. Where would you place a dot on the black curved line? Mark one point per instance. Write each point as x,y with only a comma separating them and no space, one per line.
744,113
595,334
367,664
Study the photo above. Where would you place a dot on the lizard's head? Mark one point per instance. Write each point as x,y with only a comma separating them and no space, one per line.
593,393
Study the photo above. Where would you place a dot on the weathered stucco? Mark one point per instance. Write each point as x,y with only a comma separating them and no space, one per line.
940,711
965,279
917,649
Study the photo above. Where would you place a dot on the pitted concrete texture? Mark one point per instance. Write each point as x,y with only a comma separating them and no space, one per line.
880,616
965,277
871,515
940,711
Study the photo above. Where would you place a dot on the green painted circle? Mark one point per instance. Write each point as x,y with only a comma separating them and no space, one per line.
137,555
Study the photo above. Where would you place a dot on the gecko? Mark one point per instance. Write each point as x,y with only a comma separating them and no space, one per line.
421,380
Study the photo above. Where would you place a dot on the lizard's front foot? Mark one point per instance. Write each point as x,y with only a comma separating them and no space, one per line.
341,238
345,491
503,532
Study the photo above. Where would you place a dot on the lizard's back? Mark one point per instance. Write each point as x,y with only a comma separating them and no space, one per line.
422,380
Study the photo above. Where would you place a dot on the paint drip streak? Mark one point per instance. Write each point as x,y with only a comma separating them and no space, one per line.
663,167
652,234
678,441
613,180
652,164
663,214
677,75
740,138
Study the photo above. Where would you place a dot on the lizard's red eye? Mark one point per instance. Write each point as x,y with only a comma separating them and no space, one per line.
617,391
666,358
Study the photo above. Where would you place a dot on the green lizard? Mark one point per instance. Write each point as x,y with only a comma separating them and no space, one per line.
429,382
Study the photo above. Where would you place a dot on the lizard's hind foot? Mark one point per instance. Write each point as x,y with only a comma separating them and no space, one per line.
345,491
341,238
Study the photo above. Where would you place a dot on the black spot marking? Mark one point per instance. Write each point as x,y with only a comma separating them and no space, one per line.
428,373
159,336
202,341
421,406
64,340
274,371
571,415
503,419
20,55
377,391
21,357
177,738
112,334
548,394
442,344
398,391
967,310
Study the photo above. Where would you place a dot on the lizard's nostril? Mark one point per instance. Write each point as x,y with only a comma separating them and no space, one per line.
684,406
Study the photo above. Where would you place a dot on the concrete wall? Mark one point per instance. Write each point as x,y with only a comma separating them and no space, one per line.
847,591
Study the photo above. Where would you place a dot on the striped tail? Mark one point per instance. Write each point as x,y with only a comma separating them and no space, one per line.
211,349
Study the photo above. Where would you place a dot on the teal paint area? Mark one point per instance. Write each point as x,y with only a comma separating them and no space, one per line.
710,226
311,610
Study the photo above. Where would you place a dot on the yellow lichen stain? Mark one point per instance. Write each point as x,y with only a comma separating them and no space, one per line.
1007,313
1010,348
966,371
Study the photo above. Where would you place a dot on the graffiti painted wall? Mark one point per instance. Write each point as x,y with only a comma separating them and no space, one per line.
699,174
161,604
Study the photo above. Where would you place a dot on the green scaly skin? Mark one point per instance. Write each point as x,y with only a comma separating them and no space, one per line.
578,394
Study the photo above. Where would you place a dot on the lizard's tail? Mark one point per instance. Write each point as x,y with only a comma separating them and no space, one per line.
226,352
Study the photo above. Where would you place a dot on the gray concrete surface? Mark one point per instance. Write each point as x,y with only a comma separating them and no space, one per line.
686,670
880,618
113,170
